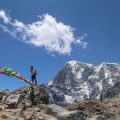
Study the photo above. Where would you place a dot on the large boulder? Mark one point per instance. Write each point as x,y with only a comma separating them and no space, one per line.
63,114
71,115
41,96
27,96
12,100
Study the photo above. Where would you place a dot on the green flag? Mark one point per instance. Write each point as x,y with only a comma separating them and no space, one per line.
8,70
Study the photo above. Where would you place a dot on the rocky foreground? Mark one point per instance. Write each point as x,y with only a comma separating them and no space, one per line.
19,105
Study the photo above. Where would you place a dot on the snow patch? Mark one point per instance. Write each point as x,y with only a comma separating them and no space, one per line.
100,85
72,63
79,74
111,82
85,88
69,99
107,74
50,83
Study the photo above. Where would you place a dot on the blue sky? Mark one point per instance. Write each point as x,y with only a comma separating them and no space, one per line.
89,29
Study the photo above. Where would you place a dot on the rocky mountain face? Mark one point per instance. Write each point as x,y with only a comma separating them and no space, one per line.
78,81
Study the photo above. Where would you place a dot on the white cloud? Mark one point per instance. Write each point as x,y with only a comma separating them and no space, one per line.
5,18
81,41
55,37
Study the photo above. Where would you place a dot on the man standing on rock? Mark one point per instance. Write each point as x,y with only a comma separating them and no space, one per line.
33,75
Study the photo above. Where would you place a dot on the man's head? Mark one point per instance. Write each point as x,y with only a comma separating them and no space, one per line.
31,67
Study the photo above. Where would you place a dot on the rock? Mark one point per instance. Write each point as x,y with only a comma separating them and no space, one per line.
57,109
49,111
3,107
1,96
27,96
63,114
105,116
4,116
73,115
5,92
12,100
29,117
41,95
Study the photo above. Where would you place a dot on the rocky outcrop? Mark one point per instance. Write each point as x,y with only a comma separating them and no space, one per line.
71,115
90,110
27,96
64,114
41,112
108,109
12,108
21,105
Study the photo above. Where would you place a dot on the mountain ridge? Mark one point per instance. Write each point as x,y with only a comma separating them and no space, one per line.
78,81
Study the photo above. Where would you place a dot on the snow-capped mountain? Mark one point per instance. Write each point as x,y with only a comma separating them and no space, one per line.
78,81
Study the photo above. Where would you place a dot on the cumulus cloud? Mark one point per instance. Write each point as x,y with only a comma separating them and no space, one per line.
47,32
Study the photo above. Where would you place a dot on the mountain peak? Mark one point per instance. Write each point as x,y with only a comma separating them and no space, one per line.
78,81
73,63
